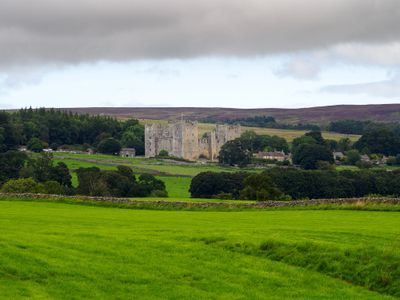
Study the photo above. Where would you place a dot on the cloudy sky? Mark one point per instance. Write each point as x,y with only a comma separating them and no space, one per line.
227,53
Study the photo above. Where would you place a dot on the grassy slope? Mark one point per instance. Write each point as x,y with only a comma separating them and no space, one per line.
50,250
289,135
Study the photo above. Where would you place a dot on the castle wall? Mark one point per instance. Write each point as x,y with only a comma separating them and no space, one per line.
206,145
181,139
190,141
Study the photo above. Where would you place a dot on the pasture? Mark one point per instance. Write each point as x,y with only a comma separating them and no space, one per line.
63,251
177,177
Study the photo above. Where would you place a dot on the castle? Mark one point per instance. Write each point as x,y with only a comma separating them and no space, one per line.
181,139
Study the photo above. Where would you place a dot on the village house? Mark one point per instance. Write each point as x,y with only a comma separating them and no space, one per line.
272,155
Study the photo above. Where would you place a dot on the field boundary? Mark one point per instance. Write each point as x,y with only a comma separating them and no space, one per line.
367,203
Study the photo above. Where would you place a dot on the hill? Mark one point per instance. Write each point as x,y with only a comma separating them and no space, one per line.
320,115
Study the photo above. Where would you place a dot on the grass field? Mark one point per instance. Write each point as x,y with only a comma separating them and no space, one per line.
177,187
61,251
288,134
176,177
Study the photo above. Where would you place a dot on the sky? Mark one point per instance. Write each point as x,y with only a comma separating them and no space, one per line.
209,53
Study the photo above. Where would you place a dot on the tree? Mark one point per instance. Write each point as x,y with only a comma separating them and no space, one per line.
261,188
120,183
90,182
11,164
42,169
109,146
353,157
308,155
148,184
8,138
60,173
211,184
317,136
133,136
380,140
344,145
234,153
35,145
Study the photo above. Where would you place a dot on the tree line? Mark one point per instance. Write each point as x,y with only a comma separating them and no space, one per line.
292,183
39,128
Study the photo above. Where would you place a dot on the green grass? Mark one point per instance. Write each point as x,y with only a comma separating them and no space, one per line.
61,251
177,187
288,134
140,165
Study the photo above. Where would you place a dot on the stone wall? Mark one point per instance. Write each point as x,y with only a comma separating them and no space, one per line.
357,202
181,139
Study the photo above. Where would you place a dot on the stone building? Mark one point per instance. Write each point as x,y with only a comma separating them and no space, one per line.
127,152
272,155
181,139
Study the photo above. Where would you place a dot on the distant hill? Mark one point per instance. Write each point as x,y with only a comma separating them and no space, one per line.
320,115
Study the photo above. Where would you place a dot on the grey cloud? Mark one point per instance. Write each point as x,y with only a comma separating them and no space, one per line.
59,31
386,89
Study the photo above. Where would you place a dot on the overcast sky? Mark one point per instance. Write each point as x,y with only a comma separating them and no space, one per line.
232,53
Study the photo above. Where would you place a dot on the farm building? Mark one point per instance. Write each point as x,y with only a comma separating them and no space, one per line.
127,152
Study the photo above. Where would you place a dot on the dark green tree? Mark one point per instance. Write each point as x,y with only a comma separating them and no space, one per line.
35,145
261,188
353,157
308,155
234,153
109,146
11,164
380,140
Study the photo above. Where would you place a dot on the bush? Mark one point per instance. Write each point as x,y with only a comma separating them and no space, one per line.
22,185
163,153
53,187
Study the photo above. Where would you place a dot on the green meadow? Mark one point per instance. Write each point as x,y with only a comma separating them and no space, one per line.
64,251
177,177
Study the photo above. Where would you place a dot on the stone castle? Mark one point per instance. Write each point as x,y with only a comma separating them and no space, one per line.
181,139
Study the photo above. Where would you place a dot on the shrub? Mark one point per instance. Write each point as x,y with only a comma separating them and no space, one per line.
22,185
163,153
53,187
